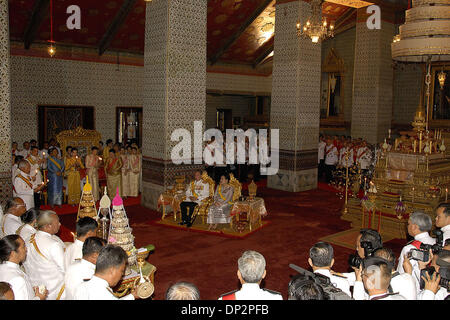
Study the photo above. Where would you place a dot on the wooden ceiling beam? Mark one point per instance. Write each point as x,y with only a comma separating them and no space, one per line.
263,56
241,30
115,25
40,11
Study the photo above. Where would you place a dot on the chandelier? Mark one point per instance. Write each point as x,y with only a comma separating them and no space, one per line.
316,28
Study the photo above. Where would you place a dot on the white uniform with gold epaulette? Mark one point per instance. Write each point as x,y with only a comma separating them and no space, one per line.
76,274
201,188
11,273
10,224
23,190
73,252
46,266
97,289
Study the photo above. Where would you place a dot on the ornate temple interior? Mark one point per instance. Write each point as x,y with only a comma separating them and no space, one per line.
352,98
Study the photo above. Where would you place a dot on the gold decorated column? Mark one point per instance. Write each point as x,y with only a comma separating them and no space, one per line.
5,106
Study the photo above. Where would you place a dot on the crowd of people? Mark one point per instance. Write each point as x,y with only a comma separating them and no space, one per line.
36,264
35,170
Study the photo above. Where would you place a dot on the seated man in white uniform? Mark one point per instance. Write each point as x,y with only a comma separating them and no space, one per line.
86,227
13,252
109,270
197,191
45,258
24,186
14,209
251,271
321,260
83,269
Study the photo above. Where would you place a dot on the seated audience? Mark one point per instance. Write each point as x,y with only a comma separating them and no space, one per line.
86,227
84,269
321,260
14,209
303,288
251,271
45,258
109,270
6,292
183,291
13,252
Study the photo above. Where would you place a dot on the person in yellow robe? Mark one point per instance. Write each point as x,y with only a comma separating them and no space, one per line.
73,166
109,145
125,172
135,171
113,169
93,162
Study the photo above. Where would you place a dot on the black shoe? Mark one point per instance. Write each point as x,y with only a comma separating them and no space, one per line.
189,224
182,222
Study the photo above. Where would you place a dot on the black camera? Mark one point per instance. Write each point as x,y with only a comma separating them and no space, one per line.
444,272
419,255
355,260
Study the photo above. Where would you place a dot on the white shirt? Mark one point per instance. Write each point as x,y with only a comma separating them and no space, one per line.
331,155
201,189
23,190
10,224
446,231
429,295
24,153
403,284
338,282
321,150
76,274
48,270
389,297
26,233
252,291
73,252
11,273
363,157
35,170
423,237
97,289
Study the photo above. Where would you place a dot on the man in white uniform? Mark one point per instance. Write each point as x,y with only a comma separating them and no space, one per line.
443,219
419,224
402,283
349,162
331,159
321,260
35,173
86,227
364,157
25,152
14,252
109,270
83,269
24,186
15,208
251,271
196,192
45,258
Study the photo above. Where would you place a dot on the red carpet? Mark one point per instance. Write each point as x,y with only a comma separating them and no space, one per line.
298,220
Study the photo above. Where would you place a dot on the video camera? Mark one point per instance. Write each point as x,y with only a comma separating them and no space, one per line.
423,253
444,272
330,291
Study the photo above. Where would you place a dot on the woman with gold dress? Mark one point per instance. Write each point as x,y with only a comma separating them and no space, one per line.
73,166
93,162
113,170
219,211
135,167
125,172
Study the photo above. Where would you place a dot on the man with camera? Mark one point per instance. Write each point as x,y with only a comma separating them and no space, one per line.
443,219
404,283
419,224
367,242
435,278
321,260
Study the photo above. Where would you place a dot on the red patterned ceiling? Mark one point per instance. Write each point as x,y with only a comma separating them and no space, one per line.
225,18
